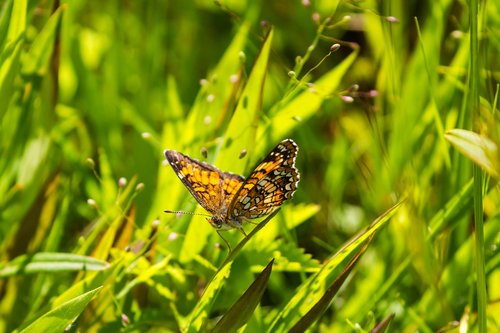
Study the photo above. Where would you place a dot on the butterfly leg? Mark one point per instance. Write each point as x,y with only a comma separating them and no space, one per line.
242,231
225,241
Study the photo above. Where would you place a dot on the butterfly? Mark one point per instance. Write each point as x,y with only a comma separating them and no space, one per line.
232,199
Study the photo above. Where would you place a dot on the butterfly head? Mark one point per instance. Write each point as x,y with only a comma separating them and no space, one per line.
216,221
220,223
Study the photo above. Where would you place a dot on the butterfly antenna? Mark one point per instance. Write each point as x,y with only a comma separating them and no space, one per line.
180,212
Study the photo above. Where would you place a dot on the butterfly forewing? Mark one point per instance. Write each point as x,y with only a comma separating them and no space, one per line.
212,188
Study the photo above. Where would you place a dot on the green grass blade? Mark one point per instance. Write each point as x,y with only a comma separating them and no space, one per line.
17,24
478,148
324,302
313,289
456,206
247,113
59,319
460,264
241,311
200,312
474,107
5,14
383,325
305,104
245,240
37,60
10,53
216,97
44,262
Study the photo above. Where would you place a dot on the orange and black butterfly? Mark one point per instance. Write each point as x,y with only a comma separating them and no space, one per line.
232,199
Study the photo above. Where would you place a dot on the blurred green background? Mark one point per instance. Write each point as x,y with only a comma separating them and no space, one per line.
91,93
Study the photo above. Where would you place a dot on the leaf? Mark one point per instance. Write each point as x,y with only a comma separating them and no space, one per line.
455,207
17,24
200,312
298,214
245,240
50,262
238,137
313,289
305,105
294,259
92,281
239,314
146,275
37,60
214,97
324,302
11,52
478,148
58,319
5,14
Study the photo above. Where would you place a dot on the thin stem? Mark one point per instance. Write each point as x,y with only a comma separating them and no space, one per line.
477,172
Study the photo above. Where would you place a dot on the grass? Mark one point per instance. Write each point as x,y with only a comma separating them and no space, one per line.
395,223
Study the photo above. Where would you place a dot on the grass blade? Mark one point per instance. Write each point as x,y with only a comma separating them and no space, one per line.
478,148
241,311
37,60
58,319
312,289
247,112
200,312
44,262
324,302
305,104
382,326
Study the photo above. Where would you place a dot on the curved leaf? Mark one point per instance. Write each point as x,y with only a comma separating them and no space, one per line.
314,288
477,148
51,262
58,319
241,311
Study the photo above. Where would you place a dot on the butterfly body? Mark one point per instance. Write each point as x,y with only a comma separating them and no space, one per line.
232,199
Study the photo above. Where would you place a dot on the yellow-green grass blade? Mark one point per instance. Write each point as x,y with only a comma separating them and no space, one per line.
44,262
478,148
37,60
59,319
324,302
313,289
216,95
241,311
305,104
241,132
200,313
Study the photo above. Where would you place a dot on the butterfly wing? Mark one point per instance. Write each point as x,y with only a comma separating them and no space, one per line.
273,181
212,188
230,185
